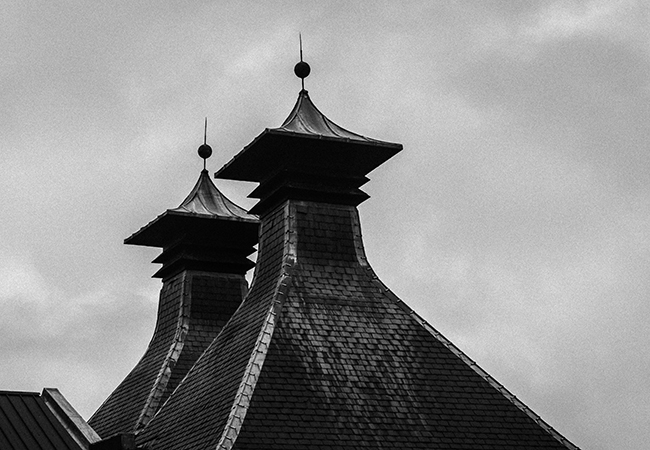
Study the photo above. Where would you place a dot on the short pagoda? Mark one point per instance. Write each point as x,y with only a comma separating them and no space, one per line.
321,354
205,242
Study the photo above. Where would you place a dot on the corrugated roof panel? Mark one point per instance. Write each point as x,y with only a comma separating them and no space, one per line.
26,423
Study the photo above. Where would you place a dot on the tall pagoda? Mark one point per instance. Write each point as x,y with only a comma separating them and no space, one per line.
321,354
205,242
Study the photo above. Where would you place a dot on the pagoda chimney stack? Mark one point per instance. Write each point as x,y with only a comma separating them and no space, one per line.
205,242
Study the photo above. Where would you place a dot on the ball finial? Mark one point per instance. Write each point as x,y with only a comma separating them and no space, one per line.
302,70
205,151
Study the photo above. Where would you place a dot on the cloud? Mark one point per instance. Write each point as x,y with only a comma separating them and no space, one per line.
71,342
515,220
565,20
30,308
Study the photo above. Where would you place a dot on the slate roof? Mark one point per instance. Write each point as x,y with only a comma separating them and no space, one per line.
193,309
321,355
33,421
205,242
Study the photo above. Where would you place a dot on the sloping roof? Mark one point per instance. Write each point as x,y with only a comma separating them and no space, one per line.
322,356
205,241
192,311
306,119
307,139
31,421
205,201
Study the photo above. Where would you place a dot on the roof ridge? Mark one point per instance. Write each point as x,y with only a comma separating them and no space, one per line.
152,403
7,392
249,379
258,355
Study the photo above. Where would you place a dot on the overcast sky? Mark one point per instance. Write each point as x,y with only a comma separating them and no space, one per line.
516,220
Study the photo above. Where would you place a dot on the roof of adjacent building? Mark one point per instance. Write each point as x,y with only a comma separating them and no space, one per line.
33,421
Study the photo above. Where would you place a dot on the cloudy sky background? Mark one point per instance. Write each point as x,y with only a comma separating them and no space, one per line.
516,220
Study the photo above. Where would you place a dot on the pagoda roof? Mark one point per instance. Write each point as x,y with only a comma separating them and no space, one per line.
308,140
205,202
306,119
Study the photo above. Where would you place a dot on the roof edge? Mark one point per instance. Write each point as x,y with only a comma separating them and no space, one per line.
476,368
71,420
226,171
249,380
152,404
363,261
320,137
137,236
254,367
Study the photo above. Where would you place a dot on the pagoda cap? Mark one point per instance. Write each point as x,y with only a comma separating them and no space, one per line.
308,141
204,203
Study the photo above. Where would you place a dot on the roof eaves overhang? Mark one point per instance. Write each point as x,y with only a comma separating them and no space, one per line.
167,227
275,149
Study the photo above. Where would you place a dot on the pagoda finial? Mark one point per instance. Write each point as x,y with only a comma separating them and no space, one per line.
205,151
301,69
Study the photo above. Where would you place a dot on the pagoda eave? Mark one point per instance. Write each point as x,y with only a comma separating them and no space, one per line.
276,149
171,226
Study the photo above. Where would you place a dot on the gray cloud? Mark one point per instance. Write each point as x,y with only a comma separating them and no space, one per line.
515,220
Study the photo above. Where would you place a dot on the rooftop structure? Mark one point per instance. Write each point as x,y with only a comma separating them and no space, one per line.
46,421
321,354
205,242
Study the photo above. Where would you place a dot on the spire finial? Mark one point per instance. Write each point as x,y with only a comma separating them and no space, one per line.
205,151
301,69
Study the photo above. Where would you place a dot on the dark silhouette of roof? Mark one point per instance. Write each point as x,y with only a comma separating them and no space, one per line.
306,119
33,421
309,141
321,354
206,231
205,241
205,201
